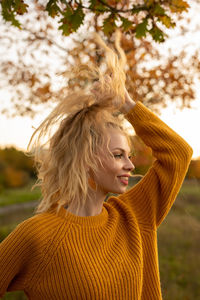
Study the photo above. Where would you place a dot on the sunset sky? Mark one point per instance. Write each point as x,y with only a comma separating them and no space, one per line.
17,131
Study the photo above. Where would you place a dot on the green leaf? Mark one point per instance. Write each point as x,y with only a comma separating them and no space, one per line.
149,2
126,24
66,21
157,34
98,7
52,8
109,24
72,20
141,29
77,18
158,10
12,7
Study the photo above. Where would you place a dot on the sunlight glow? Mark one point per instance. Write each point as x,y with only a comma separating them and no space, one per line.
186,123
17,131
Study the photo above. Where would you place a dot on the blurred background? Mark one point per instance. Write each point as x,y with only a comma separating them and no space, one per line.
35,64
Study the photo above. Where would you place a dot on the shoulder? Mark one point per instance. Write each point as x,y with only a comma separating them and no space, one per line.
38,228
39,221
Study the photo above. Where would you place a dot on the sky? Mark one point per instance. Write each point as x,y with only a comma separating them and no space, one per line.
17,131
186,123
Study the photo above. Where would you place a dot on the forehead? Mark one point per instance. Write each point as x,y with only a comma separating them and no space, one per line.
116,139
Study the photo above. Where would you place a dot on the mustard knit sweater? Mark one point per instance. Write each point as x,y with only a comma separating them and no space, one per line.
111,256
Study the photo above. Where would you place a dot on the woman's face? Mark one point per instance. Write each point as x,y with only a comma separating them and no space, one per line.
113,177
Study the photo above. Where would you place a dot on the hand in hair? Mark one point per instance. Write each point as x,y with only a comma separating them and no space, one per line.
127,103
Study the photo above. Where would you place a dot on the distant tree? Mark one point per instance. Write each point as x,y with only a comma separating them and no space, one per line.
17,159
15,178
142,157
194,169
16,168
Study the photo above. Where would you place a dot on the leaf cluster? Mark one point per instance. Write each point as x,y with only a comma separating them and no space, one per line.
140,18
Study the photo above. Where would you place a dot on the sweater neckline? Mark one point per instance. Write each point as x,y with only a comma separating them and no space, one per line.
97,220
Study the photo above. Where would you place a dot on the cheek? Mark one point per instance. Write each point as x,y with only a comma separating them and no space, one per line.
110,170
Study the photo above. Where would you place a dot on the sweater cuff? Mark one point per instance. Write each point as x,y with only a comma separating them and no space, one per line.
138,112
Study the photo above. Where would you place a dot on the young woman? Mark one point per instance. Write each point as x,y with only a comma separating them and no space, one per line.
77,245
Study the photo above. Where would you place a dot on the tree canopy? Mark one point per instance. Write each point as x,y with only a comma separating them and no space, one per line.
36,63
139,18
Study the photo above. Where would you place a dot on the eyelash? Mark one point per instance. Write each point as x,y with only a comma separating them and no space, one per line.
120,156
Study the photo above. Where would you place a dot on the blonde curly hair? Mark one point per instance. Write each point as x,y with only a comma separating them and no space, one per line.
81,120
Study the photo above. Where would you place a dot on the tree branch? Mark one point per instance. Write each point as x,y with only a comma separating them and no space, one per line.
39,37
134,9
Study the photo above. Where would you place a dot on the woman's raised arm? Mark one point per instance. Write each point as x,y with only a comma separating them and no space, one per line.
152,198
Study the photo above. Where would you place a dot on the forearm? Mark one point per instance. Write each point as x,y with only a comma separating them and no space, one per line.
127,107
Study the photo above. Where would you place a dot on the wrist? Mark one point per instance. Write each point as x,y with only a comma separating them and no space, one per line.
128,106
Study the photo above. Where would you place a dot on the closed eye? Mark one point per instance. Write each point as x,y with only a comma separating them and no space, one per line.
120,156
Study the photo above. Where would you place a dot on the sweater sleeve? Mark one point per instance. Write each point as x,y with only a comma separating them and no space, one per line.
152,198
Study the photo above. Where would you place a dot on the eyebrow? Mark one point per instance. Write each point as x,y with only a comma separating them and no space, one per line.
122,150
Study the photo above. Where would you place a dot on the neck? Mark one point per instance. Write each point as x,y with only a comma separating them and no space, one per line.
92,207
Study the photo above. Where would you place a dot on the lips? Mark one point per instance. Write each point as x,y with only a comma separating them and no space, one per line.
124,179
125,175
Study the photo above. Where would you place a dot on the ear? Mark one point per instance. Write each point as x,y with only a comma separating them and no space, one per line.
90,172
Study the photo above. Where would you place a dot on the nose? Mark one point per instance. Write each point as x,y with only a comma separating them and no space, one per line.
129,165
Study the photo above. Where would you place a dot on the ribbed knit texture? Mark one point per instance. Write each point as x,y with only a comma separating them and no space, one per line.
111,256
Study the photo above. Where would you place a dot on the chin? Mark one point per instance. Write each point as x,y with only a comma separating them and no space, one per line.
118,191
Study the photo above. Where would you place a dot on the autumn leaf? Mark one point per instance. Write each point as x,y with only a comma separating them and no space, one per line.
21,7
177,6
166,20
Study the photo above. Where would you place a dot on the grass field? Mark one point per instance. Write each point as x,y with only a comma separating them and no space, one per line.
19,195
178,244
